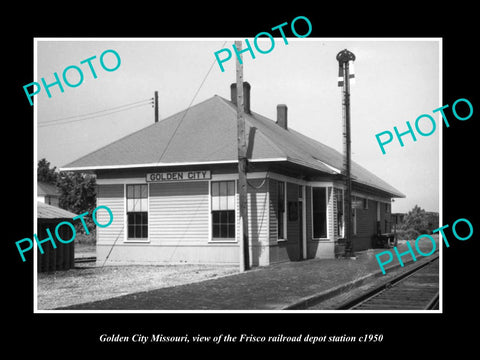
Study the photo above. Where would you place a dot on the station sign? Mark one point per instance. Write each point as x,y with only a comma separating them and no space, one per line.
357,204
172,176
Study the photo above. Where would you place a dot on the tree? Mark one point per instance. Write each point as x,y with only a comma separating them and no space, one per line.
432,220
415,223
45,174
77,190
77,194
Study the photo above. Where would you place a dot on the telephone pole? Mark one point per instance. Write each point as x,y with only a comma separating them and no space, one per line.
343,58
155,105
242,167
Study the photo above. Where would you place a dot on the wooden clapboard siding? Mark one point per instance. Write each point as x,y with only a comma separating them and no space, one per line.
138,253
113,197
258,220
258,211
330,214
335,210
179,212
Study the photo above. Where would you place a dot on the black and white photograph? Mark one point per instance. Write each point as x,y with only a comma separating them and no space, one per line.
273,186
169,155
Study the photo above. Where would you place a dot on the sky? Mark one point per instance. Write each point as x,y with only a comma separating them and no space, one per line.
397,80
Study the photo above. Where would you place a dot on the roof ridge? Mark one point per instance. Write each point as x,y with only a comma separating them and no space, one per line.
305,140
188,108
248,118
360,167
261,119
288,132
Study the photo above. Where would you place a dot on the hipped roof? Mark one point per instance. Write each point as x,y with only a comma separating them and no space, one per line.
207,133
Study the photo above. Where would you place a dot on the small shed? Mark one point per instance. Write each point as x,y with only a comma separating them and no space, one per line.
62,257
48,193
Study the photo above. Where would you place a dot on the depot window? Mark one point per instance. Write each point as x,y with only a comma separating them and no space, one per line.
223,210
319,212
137,211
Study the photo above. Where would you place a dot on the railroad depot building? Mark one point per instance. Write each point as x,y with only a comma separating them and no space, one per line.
172,189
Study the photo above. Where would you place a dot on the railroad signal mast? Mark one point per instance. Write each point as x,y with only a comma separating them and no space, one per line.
343,58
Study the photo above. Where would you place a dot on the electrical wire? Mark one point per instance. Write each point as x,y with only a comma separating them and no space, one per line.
178,125
99,111
96,114
91,117
111,248
188,108
261,184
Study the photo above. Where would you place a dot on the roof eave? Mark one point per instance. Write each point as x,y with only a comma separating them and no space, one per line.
172,164
333,171
388,193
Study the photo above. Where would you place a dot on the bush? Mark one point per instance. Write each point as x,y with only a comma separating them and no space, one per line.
83,238
408,234
417,222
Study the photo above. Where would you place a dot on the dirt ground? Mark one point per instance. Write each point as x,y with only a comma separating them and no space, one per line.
266,288
86,283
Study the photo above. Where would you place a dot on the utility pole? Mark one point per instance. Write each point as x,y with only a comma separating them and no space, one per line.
155,104
242,167
343,58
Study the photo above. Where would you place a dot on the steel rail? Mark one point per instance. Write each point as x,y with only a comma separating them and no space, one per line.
351,304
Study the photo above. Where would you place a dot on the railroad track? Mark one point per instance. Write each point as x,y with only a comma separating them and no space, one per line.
415,289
